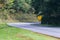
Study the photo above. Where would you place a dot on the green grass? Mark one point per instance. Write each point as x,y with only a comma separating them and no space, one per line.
12,33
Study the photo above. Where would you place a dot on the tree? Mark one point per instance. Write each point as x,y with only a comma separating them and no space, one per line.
50,10
21,5
28,1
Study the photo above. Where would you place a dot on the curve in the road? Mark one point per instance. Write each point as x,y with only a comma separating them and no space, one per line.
52,31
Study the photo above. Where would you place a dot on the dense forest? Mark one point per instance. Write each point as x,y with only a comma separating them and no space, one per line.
16,10
17,5
50,9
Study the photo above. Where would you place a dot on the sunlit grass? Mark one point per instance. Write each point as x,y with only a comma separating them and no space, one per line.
12,33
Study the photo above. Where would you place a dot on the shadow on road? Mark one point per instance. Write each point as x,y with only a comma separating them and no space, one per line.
44,25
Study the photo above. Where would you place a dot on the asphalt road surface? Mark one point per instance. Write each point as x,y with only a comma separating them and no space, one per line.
37,27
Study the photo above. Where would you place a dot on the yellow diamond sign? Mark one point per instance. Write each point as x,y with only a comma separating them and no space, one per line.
39,17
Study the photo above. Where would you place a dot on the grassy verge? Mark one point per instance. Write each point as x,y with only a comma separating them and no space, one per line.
12,33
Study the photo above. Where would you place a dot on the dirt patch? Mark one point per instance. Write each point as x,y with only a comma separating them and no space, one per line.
23,37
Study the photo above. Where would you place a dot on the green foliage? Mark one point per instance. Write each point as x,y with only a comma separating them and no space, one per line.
28,1
21,5
2,1
8,4
47,8
18,5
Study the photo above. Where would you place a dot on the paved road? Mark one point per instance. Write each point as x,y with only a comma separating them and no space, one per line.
36,27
